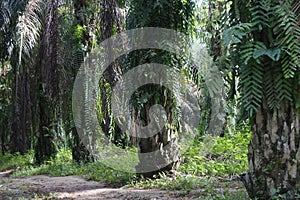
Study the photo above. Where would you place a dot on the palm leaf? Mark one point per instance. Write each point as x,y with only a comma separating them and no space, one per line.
5,14
29,27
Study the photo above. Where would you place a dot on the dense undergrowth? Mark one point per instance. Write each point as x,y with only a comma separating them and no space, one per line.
204,167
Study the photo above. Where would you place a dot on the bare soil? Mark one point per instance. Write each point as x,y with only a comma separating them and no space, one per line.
74,187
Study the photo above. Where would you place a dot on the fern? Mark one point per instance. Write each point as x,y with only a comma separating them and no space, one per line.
277,87
247,51
236,34
266,47
251,74
288,32
261,14
251,86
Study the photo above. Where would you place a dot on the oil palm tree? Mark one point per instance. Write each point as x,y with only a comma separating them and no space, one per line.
263,41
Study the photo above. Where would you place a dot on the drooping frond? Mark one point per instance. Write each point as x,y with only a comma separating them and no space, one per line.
251,85
264,41
28,27
277,87
5,13
260,14
8,10
286,28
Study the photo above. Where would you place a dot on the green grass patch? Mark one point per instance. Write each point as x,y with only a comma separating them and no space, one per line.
13,161
62,165
217,156
205,187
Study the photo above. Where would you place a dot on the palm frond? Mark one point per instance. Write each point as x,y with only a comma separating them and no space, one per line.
29,27
5,13
251,85
287,30
266,47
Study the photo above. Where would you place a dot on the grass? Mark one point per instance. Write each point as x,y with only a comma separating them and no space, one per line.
62,165
204,187
13,161
223,157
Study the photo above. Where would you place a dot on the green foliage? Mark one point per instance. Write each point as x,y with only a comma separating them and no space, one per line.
252,83
29,28
275,195
173,14
206,188
48,168
240,194
179,182
5,105
227,158
235,34
263,41
13,161
224,158
218,156
286,27
63,165
10,9
78,32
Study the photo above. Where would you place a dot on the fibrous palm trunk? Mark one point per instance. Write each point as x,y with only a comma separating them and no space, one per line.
109,19
21,113
48,88
274,153
160,152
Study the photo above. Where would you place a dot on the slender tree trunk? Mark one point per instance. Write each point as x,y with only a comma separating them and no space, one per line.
213,28
45,147
274,153
5,102
109,19
79,151
48,64
21,113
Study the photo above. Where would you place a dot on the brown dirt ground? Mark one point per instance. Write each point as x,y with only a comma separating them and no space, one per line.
73,187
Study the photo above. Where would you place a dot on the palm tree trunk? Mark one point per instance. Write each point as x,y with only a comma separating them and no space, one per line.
108,20
21,113
48,64
163,146
274,153
79,151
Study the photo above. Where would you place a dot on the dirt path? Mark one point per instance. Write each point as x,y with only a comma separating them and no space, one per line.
73,187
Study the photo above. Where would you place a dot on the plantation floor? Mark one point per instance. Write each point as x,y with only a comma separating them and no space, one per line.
73,187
